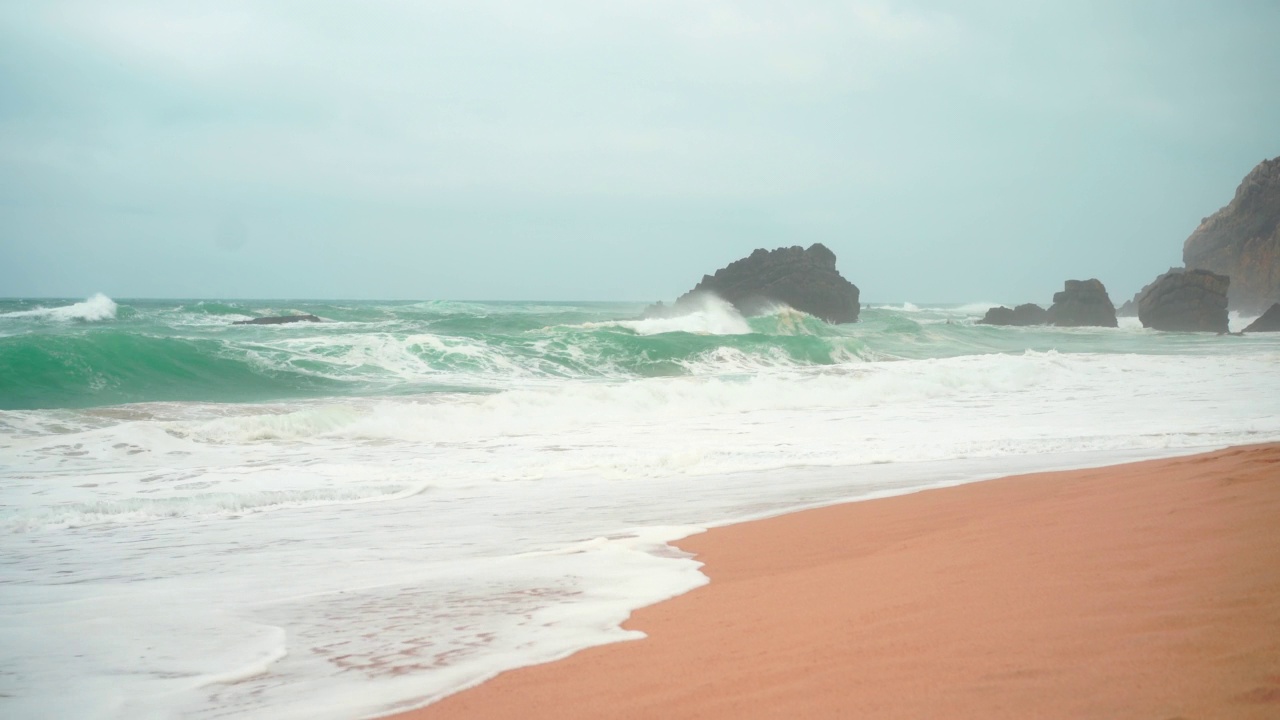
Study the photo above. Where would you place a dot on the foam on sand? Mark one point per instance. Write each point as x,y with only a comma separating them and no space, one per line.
1145,590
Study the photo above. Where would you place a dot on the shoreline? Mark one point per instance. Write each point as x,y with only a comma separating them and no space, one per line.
1147,589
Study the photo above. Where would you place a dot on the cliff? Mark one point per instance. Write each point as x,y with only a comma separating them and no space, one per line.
1242,241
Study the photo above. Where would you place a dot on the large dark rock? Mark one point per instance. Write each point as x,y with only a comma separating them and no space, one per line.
805,279
1082,303
278,320
1025,314
1242,240
1195,300
1130,306
1269,322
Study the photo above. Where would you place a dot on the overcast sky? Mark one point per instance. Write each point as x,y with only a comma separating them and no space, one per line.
618,149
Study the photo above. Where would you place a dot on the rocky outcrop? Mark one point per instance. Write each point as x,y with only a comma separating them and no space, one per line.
1130,306
1025,314
1195,300
1082,303
278,320
1269,322
1242,240
805,279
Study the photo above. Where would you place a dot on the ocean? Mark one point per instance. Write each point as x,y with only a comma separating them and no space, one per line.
349,518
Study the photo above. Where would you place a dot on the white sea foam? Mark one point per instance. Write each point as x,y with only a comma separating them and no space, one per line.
739,385
1128,322
349,557
383,356
904,307
977,309
95,309
1237,322
708,314
704,314
226,504
325,451
943,313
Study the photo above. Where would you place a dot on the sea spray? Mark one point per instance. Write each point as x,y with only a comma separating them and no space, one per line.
705,314
95,309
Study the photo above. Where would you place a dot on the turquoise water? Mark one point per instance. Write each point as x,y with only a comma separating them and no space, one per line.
69,354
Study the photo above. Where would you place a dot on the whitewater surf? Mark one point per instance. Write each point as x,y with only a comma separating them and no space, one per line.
345,518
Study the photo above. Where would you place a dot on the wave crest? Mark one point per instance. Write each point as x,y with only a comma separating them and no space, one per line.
705,314
97,308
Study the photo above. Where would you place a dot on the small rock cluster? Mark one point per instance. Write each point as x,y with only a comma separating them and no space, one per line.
1021,316
1082,303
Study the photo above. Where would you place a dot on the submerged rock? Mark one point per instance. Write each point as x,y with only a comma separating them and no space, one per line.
1269,322
278,320
1022,315
1195,300
1242,240
805,279
1082,303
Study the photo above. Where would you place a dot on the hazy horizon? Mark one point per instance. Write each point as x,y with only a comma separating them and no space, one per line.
574,151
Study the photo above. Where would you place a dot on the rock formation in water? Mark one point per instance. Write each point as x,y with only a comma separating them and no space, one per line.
1190,301
1269,322
805,279
1242,240
1082,303
1130,306
1025,314
278,320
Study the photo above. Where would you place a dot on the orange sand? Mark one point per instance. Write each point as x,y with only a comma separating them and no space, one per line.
1149,590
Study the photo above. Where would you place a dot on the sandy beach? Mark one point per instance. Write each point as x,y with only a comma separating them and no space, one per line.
1148,590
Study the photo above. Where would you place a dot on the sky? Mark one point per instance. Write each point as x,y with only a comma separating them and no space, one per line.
591,150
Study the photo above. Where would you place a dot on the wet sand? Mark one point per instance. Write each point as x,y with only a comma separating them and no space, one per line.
1149,590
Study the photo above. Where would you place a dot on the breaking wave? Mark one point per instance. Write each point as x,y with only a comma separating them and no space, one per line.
95,309
191,351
